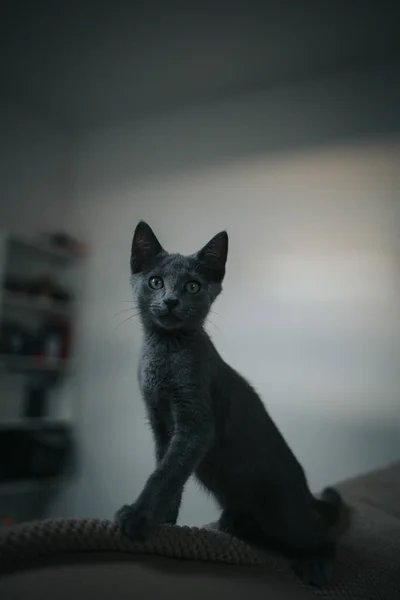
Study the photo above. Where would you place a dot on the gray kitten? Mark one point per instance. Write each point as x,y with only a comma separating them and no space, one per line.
208,421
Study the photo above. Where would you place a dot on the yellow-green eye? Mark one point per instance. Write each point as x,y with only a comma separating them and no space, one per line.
192,287
156,283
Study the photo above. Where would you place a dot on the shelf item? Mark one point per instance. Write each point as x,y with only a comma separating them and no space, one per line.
37,453
41,250
31,364
37,304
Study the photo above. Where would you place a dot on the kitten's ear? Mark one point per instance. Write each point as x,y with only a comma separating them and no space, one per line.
145,247
214,254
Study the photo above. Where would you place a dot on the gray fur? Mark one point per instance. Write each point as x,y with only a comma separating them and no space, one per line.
207,420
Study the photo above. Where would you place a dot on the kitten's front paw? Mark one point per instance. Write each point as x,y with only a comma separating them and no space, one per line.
171,517
134,522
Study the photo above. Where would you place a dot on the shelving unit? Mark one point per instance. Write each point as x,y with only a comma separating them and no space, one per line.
28,259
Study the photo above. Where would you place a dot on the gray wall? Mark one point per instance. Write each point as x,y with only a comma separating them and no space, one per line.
35,171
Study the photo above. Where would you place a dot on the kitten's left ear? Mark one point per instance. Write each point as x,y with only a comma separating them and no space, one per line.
145,247
214,254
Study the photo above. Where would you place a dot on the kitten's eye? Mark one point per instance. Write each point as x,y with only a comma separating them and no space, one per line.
192,287
156,283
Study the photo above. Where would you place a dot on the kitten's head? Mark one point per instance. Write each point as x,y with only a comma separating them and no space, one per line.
175,291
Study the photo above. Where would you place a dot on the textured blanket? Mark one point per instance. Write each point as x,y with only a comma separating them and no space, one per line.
368,562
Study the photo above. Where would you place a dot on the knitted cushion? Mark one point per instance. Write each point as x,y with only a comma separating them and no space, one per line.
368,564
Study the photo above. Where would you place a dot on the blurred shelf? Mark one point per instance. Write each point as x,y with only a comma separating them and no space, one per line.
23,364
36,248
29,486
33,423
30,303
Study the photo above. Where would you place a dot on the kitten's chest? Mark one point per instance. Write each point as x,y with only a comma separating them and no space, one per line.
153,373
158,373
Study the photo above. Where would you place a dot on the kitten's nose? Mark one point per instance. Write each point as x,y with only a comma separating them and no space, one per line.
171,302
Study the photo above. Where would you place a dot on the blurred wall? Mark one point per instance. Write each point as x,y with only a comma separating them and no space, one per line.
35,170
306,181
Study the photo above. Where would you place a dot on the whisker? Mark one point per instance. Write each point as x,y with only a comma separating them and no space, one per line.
132,303
217,328
125,320
213,312
120,312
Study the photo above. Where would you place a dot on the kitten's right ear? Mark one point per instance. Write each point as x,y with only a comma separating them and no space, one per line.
213,256
145,247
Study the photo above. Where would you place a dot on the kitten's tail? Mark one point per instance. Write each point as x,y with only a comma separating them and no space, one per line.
334,511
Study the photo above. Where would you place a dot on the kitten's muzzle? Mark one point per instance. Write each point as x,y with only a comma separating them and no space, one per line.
171,303
169,311
169,314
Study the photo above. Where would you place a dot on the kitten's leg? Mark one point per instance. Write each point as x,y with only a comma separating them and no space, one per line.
300,534
162,439
314,564
174,507
294,532
192,435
